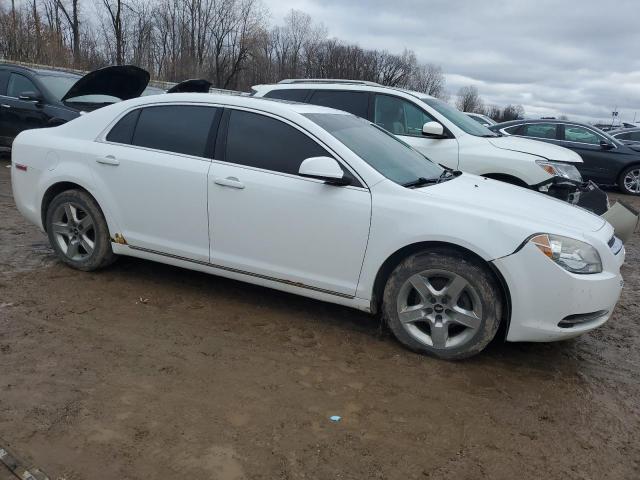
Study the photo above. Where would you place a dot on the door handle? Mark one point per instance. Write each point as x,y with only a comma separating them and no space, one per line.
4,105
108,160
232,182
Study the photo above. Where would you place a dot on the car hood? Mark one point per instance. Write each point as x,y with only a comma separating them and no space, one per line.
544,150
199,85
120,81
499,199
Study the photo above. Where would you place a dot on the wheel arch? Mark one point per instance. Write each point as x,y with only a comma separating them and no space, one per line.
399,255
57,188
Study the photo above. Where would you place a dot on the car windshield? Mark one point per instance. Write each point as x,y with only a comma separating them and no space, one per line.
458,118
390,156
58,85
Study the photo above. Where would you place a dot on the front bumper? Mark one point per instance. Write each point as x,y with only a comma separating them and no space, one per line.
589,196
548,303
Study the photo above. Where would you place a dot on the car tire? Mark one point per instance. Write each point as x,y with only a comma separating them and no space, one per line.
443,303
629,180
78,231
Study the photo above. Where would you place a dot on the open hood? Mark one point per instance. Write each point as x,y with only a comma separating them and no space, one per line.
199,85
120,81
548,151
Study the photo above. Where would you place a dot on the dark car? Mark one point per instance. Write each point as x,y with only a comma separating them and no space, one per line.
628,136
36,98
607,161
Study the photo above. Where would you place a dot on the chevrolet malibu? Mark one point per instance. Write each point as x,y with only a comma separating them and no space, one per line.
319,203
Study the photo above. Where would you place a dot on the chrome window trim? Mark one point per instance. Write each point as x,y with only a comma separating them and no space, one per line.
102,138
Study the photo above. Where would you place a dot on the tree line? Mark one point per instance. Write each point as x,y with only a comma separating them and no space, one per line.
229,42
469,100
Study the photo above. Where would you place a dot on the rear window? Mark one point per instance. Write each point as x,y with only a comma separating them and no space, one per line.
541,130
293,95
352,102
176,128
122,132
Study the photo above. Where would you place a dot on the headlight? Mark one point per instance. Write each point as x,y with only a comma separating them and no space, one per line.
572,255
558,169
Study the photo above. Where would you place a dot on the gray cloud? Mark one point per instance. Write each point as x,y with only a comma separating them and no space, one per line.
575,57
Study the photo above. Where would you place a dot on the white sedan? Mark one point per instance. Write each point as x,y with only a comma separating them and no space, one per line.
320,203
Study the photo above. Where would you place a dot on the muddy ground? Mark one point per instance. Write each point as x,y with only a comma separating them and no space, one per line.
148,371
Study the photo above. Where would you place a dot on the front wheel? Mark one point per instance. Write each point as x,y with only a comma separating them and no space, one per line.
78,231
629,181
443,304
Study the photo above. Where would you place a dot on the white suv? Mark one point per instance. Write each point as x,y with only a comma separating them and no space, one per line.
444,134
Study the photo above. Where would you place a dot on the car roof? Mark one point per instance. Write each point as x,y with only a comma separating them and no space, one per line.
267,104
624,130
338,85
540,120
39,71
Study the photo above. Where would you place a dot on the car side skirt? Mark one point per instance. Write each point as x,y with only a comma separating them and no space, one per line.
243,276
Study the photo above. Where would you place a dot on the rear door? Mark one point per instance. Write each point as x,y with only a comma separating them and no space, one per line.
152,168
269,222
19,115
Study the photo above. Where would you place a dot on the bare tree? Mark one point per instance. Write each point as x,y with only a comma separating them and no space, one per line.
428,78
72,17
469,100
114,10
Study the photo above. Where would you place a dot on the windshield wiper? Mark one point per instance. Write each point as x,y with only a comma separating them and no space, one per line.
422,181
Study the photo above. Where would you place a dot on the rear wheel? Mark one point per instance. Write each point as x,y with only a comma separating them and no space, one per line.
443,304
629,181
78,231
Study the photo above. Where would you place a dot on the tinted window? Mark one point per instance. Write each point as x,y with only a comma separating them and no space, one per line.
635,136
264,142
122,132
387,154
623,136
4,78
581,135
19,84
175,128
352,102
540,130
293,95
399,116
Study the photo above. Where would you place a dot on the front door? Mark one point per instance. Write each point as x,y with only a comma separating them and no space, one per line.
19,115
267,221
586,143
405,120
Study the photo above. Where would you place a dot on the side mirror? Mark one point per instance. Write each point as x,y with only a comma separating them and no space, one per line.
323,168
605,145
30,96
433,129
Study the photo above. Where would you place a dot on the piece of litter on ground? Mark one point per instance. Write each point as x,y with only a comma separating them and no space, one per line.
8,166
5,305
335,418
143,300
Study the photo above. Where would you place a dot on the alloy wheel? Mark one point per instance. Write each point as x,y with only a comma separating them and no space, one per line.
439,309
632,180
74,231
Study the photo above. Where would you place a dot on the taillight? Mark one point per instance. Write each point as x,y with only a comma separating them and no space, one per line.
19,166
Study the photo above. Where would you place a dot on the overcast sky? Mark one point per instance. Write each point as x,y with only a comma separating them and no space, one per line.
575,57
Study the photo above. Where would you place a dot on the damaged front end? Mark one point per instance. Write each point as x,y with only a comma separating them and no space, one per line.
589,196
